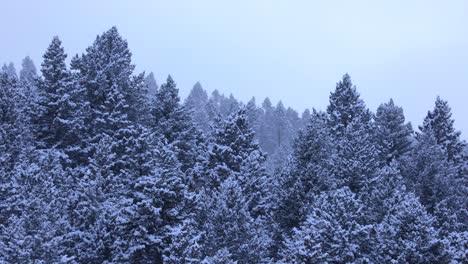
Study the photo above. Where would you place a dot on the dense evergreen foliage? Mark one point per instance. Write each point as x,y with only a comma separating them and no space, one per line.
99,164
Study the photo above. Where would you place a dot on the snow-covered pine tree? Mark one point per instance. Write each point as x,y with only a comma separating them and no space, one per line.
233,141
171,120
10,69
55,77
230,227
234,151
59,122
105,71
28,72
333,232
28,82
281,126
152,85
345,106
378,194
266,135
427,171
357,155
15,147
38,196
255,115
393,135
14,130
440,145
196,103
353,130
439,122
305,118
311,152
306,173
153,204
406,234
440,186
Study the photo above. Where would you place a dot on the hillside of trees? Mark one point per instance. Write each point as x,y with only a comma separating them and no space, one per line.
101,164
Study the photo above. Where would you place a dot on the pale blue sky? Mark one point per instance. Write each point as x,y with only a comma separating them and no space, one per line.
294,51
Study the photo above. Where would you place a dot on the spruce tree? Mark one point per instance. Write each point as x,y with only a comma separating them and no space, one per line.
196,103
14,130
235,151
152,85
60,121
55,77
28,82
266,136
332,233
153,204
406,234
281,126
28,72
392,133
351,125
230,227
345,106
439,122
171,120
428,172
357,156
233,142
306,173
255,115
106,73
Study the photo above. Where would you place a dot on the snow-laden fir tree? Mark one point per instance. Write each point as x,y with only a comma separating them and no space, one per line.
28,82
10,69
255,115
59,122
311,151
105,71
393,135
439,122
305,117
196,103
55,77
15,145
406,234
10,119
428,172
378,194
440,145
282,126
306,173
440,186
152,85
28,72
230,228
357,156
266,134
351,125
39,190
332,233
345,106
172,120
153,205
235,152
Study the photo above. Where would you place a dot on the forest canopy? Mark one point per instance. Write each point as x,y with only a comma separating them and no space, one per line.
101,164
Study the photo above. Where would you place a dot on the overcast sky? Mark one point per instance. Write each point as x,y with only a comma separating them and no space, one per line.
294,51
